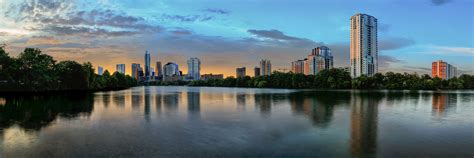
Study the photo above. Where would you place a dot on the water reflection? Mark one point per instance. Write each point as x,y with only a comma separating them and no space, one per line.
364,116
263,102
36,112
442,103
294,124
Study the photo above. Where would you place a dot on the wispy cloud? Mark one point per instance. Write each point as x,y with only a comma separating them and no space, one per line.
217,11
468,51
187,18
440,2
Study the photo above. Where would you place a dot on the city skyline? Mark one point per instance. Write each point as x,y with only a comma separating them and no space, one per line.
409,38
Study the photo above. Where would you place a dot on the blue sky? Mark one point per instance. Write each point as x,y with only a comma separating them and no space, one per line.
229,34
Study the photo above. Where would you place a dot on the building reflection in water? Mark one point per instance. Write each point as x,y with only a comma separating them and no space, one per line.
364,118
263,102
146,108
106,99
241,99
441,103
171,101
119,99
194,104
158,103
137,100
318,111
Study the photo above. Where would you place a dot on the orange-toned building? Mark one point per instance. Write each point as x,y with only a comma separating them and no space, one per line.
443,70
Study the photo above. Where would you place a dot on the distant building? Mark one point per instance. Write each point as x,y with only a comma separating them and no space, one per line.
147,65
298,66
320,58
194,69
100,70
212,76
171,72
443,70
135,69
265,67
159,70
120,68
256,71
240,72
363,46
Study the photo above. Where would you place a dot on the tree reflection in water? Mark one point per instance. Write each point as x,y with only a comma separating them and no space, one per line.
36,112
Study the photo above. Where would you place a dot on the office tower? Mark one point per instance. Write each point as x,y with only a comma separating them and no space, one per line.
256,71
298,66
265,67
100,70
147,65
159,69
171,69
363,47
443,70
194,69
240,72
120,68
152,73
135,69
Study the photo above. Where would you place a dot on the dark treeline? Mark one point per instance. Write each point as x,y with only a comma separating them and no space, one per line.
341,79
34,71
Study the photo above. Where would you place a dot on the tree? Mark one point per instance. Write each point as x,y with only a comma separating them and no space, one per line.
71,75
35,70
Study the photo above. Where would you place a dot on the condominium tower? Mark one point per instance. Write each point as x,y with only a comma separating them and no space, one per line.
265,67
147,65
443,70
194,69
363,47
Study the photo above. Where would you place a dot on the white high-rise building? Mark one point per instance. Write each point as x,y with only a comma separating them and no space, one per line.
265,67
364,50
194,69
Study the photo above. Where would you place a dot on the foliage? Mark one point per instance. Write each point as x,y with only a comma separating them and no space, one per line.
35,71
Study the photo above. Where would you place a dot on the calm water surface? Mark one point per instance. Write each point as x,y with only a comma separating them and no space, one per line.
234,122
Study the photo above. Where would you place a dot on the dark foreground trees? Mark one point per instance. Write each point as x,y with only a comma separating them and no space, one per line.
35,71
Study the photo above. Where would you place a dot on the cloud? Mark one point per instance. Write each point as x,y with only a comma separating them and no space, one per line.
467,51
181,32
60,18
4,33
277,37
217,11
440,2
187,18
384,27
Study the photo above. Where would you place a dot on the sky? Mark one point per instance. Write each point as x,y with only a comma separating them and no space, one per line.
236,33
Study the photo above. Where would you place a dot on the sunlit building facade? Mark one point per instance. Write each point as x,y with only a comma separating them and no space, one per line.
298,66
363,46
443,70
135,70
171,72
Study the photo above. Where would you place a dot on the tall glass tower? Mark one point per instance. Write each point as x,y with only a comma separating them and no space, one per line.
194,69
364,51
147,65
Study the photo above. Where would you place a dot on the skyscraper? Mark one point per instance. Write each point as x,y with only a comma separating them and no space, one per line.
194,69
100,70
265,67
240,72
171,72
159,69
363,49
135,69
120,68
443,70
147,65
256,71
